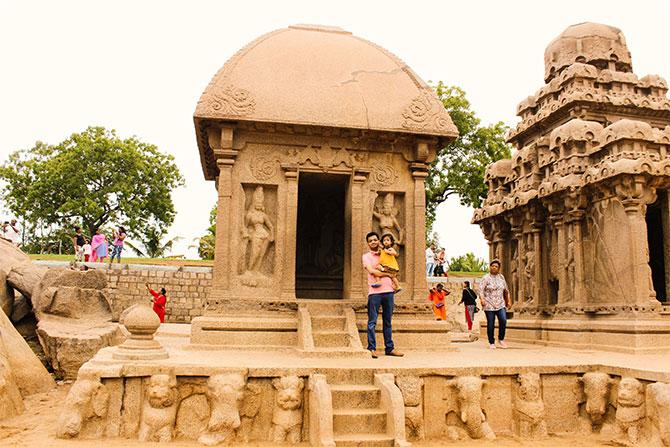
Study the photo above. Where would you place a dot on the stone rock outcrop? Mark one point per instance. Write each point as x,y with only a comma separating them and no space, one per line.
11,402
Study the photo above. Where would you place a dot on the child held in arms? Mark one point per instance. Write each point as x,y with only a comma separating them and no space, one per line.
388,262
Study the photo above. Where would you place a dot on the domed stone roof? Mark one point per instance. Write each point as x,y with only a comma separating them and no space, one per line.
589,43
323,76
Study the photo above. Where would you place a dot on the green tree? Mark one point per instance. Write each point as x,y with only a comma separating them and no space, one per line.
151,244
467,263
460,166
207,242
92,178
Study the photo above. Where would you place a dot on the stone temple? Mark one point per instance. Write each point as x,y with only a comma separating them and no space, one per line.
579,216
314,137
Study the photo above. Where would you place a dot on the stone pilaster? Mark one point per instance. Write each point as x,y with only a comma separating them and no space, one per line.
291,206
357,240
665,210
419,285
222,251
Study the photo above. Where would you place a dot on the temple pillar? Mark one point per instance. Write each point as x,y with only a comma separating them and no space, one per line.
291,208
665,216
635,194
419,285
222,259
357,243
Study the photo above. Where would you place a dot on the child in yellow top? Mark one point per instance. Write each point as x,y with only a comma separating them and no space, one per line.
387,260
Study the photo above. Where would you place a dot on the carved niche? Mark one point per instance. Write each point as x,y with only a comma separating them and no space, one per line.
257,233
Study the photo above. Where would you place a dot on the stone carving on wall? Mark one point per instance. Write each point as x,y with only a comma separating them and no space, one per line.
469,397
287,413
595,410
257,234
529,408
230,101
224,393
263,168
426,112
85,410
248,411
387,217
159,409
384,174
630,412
659,413
326,157
411,388
529,275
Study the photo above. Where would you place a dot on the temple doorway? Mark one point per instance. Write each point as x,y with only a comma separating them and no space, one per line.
320,236
658,235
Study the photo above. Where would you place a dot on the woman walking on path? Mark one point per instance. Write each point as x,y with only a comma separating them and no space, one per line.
469,299
98,247
158,301
495,298
118,237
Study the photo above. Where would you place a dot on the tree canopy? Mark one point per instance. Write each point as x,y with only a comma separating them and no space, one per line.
91,179
461,165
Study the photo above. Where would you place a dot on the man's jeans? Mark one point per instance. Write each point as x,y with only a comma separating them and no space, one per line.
430,268
385,300
490,324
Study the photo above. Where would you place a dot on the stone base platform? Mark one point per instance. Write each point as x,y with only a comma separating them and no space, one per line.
631,336
389,401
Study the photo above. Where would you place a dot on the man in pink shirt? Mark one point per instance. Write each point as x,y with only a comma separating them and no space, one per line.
380,294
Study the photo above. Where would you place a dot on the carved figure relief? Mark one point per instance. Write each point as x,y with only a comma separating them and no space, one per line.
596,410
287,414
263,168
426,112
231,101
159,409
387,218
514,274
384,174
529,275
659,413
224,393
85,410
529,408
469,397
248,411
630,412
258,234
327,157
411,388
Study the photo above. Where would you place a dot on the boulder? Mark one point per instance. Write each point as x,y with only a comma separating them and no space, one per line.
69,343
11,402
21,308
25,277
73,294
29,373
6,295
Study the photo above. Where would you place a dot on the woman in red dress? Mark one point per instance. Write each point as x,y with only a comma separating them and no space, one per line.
158,301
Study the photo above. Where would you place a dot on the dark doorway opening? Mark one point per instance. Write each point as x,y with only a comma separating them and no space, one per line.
319,265
655,236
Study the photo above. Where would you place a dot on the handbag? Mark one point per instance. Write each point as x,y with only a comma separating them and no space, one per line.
476,309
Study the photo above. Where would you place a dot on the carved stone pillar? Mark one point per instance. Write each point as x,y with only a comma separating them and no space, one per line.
537,273
517,234
665,210
417,245
560,252
357,240
635,194
222,253
291,206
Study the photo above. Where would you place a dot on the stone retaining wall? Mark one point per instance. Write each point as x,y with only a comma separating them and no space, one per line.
187,287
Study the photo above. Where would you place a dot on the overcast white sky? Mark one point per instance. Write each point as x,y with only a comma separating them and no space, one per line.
140,67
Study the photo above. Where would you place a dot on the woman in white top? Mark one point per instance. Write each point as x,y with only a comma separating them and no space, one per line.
495,296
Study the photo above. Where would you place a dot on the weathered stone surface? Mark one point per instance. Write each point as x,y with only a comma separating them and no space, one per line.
21,308
287,415
192,417
85,410
7,295
26,277
69,343
159,409
29,373
73,294
11,402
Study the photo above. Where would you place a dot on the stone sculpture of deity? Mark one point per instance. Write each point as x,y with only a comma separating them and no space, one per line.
258,230
387,217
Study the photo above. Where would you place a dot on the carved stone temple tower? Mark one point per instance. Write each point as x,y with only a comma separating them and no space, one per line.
579,216
314,138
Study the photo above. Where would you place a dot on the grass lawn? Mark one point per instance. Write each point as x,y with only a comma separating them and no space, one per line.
150,261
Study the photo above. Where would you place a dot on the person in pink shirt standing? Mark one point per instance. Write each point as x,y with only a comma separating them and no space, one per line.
380,294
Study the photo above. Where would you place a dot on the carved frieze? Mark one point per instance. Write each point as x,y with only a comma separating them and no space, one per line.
230,101
426,112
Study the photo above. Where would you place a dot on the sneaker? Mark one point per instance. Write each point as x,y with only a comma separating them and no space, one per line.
374,354
492,346
395,353
502,344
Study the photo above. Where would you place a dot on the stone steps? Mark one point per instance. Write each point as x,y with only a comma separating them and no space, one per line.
328,322
359,420
330,339
355,396
364,440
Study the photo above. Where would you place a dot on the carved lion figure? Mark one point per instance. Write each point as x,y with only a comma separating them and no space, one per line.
85,404
529,408
224,392
287,413
630,412
470,407
159,409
